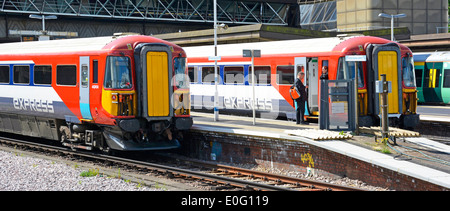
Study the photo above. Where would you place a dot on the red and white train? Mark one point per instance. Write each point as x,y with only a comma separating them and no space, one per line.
276,69
118,92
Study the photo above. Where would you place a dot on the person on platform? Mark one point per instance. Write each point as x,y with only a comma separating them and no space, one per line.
324,75
302,99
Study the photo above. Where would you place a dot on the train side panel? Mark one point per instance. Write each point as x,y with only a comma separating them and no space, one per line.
383,57
87,92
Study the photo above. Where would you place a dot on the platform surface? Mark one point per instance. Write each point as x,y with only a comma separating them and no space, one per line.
435,173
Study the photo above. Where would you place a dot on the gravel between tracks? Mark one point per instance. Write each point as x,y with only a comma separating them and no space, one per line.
21,173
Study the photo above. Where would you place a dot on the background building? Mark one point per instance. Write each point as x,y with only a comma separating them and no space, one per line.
422,16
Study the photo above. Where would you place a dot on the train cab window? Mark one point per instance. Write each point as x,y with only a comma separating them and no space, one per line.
21,74
233,75
193,74
419,76
285,75
408,72
346,70
4,74
262,74
66,75
118,72
43,74
208,74
181,80
446,78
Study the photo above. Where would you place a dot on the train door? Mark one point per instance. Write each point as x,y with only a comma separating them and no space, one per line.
301,65
431,85
155,74
84,87
445,91
95,92
386,59
418,69
312,80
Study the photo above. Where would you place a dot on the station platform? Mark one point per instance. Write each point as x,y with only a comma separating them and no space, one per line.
358,147
432,113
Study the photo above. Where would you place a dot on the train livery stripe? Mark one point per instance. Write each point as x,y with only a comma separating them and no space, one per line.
32,101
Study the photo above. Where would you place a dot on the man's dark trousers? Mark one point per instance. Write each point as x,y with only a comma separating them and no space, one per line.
300,111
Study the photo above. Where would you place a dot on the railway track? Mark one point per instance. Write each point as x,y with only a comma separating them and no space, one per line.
220,177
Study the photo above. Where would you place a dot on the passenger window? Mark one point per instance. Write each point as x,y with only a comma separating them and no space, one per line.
21,74
4,74
66,75
193,74
419,75
446,78
43,74
285,75
262,74
233,75
208,74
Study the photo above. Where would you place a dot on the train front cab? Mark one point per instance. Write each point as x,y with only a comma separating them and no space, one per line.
152,116
388,59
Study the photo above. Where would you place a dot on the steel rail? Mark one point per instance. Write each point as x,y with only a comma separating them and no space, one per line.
248,185
306,184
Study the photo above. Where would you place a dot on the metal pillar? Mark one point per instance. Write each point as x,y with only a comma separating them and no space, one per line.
384,108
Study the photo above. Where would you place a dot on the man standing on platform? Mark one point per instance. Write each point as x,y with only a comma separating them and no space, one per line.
302,99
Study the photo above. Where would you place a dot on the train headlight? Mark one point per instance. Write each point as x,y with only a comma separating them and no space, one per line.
114,98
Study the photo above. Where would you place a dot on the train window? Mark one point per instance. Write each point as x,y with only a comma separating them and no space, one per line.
408,72
437,77
118,72
208,74
446,78
4,74
285,75
43,74
432,77
95,71
193,74
346,70
84,76
351,72
233,75
262,74
21,74
66,75
180,72
419,75
341,74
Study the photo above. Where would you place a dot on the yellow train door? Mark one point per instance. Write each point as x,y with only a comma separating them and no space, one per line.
388,64
157,84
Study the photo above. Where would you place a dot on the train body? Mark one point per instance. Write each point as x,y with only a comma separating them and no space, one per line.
276,69
433,77
122,92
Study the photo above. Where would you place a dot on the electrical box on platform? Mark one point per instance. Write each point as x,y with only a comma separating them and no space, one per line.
379,87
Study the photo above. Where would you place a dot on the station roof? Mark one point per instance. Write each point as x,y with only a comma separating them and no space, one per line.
428,42
241,34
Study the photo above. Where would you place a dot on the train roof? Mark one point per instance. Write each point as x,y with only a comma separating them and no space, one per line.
438,56
74,45
274,47
285,46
